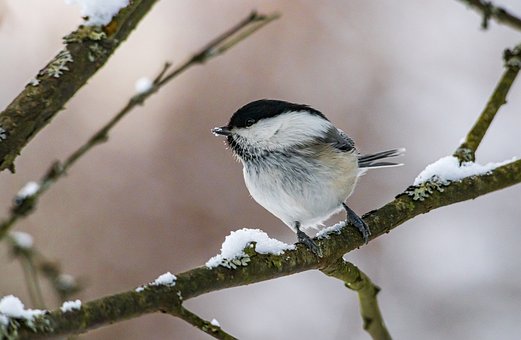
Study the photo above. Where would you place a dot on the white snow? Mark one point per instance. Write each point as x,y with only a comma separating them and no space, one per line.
143,85
99,12
448,169
29,189
336,228
11,306
68,306
167,279
3,134
234,244
215,323
4,320
66,280
22,240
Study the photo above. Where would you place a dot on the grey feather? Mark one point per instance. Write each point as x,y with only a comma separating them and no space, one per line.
371,160
339,140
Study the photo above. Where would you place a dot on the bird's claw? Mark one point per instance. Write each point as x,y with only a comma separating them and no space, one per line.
357,221
309,243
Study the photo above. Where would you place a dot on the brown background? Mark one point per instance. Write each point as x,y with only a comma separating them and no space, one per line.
163,193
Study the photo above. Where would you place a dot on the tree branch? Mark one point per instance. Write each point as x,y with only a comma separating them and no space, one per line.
466,151
489,10
202,280
87,49
23,206
356,280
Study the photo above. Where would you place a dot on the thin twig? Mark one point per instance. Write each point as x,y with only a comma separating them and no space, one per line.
466,151
206,326
356,280
488,10
34,263
254,21
32,281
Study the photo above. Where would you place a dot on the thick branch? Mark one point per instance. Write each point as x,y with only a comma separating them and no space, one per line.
356,280
202,280
466,151
87,49
488,10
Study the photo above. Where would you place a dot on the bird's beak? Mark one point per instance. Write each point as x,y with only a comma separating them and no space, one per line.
222,131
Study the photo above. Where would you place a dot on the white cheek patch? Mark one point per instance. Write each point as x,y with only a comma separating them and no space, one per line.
285,130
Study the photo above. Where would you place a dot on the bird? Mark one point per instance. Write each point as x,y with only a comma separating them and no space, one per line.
298,165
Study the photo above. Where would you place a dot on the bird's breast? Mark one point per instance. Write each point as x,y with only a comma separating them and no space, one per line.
305,186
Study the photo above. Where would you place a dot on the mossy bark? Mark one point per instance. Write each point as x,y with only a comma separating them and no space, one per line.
202,280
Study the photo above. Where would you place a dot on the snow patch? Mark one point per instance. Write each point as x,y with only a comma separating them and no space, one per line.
215,323
28,190
4,320
448,169
166,279
143,85
336,228
234,244
22,240
69,306
12,307
98,12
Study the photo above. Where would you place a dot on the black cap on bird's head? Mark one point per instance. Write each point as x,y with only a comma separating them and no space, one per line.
252,112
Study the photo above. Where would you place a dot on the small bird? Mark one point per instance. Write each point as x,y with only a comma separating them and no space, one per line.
298,165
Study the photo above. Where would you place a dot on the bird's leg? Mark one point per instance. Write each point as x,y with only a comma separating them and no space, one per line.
307,241
362,227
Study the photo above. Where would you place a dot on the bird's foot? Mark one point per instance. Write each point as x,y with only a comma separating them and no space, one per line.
357,221
309,243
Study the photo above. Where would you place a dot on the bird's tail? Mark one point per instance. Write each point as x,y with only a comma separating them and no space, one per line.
373,160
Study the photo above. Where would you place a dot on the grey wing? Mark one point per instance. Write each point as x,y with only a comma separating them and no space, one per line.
340,140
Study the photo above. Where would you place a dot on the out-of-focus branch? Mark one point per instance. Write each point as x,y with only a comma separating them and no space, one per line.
466,151
356,280
23,206
87,49
26,258
202,280
34,263
488,10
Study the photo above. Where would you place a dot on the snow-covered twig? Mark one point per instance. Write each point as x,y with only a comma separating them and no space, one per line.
216,47
86,50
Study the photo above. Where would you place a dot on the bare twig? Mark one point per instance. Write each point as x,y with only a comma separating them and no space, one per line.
466,151
489,10
246,27
356,280
206,326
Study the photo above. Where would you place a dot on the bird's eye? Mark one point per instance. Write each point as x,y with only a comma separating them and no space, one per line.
250,122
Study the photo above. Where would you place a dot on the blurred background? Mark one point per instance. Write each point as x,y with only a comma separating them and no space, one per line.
163,193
